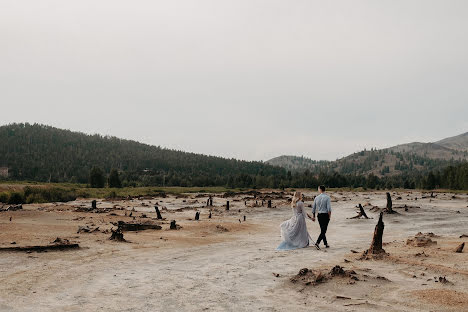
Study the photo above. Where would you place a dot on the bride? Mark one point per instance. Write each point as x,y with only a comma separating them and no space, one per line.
294,231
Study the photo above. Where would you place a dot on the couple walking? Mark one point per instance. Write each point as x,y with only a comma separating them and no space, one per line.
294,231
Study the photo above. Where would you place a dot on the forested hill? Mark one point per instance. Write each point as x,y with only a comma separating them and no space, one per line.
410,158
43,153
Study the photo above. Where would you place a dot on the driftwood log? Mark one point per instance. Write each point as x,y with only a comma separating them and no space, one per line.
124,226
158,213
41,248
58,244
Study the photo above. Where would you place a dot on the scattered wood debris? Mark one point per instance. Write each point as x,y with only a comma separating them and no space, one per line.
87,229
221,228
313,277
421,240
12,208
460,248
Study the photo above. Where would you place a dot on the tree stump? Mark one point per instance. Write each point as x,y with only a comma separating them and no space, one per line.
389,203
94,204
376,245
117,235
197,216
173,225
361,213
227,205
460,248
269,203
158,213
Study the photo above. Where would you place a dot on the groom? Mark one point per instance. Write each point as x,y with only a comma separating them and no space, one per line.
322,204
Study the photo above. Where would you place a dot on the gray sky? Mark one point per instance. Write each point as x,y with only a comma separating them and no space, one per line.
243,78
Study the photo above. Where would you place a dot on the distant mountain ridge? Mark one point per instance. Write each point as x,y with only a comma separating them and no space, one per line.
459,142
403,158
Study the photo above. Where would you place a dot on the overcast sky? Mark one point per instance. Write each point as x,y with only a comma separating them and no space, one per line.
243,78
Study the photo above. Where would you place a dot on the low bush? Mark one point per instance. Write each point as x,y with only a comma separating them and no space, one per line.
16,198
4,196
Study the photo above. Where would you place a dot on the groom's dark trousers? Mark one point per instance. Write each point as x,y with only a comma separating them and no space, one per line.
323,219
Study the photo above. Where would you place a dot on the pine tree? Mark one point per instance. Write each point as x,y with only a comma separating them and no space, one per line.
114,179
96,178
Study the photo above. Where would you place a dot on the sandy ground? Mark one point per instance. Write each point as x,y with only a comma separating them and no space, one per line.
203,267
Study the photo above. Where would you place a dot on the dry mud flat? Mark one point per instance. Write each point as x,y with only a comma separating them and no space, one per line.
228,264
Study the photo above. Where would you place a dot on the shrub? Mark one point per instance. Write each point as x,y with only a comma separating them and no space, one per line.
44,195
16,198
4,197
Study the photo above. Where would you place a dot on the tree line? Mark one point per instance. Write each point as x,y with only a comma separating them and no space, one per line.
46,154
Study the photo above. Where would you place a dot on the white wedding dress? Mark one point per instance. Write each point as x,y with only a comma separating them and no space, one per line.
294,231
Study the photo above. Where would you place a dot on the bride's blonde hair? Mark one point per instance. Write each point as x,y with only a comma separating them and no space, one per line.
296,197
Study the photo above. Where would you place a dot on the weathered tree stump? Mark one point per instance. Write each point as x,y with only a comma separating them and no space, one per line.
389,203
227,205
197,216
158,213
94,204
173,225
460,248
376,245
361,213
269,203
117,235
